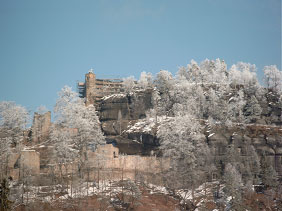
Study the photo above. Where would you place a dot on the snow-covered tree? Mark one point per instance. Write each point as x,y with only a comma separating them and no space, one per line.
164,81
132,190
145,81
235,107
194,73
5,151
233,186
233,155
77,130
213,72
41,110
243,74
129,84
70,112
252,110
177,135
269,176
182,141
64,152
273,77
13,120
216,106
188,98
63,145
164,84
13,116
254,164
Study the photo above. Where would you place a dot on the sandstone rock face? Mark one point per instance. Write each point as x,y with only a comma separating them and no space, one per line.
117,112
120,112
126,107
114,127
267,139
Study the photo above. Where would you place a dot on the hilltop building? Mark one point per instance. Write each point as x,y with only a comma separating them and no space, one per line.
93,89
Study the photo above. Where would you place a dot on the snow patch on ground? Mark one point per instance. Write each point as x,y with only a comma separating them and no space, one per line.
111,189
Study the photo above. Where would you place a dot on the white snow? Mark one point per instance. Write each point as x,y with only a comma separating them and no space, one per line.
113,96
136,141
146,125
112,188
211,135
28,150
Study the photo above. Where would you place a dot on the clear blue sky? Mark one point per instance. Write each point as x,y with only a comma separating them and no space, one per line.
46,44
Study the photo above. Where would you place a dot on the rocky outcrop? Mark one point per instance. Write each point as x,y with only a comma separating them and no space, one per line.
124,124
126,107
265,139
117,112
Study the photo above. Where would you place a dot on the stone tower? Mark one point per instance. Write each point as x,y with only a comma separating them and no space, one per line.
90,86
41,127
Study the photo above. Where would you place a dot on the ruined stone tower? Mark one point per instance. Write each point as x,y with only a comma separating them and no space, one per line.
93,89
90,87
41,127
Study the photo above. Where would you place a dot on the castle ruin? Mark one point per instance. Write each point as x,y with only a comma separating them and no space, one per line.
93,89
124,151
40,127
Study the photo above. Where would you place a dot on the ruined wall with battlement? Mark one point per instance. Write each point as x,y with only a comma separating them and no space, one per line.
104,163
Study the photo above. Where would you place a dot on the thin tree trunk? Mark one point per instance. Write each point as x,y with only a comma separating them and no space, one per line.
71,178
98,178
205,192
27,192
87,179
122,185
193,197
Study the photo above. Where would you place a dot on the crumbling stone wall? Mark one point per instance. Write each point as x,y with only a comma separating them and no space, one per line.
30,159
27,162
107,156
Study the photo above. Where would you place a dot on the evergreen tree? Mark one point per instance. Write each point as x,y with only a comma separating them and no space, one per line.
269,176
252,110
5,203
233,186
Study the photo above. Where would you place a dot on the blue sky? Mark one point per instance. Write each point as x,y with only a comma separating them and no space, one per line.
46,44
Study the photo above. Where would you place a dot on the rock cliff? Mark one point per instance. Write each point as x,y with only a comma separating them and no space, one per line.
124,122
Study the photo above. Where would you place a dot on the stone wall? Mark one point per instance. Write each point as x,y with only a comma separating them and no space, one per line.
25,163
30,159
107,157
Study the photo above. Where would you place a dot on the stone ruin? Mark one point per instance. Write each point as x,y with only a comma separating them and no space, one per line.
129,152
93,89
24,164
40,127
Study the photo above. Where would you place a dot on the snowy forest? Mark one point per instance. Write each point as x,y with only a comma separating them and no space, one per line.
218,129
